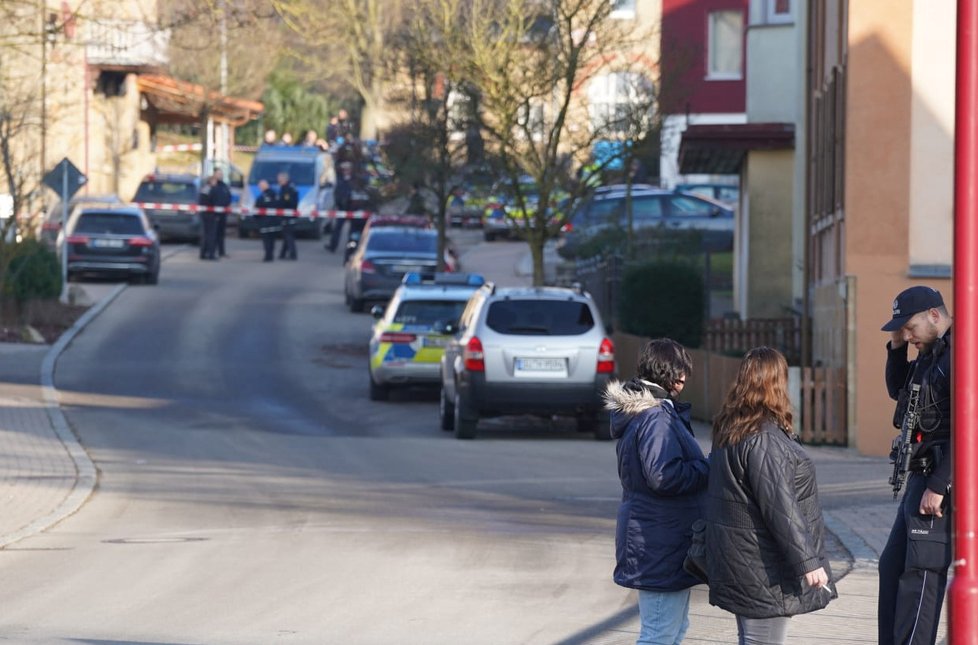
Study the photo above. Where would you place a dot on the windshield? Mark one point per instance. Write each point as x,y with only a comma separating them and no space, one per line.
429,312
109,223
402,241
301,172
167,192
540,317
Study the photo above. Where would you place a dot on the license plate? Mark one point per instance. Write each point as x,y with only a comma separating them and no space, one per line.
403,268
107,244
540,365
428,341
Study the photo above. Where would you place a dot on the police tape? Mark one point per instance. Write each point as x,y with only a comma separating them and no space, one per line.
241,210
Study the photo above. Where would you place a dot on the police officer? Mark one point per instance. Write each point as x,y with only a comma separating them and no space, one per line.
208,221
913,566
342,201
220,196
268,225
288,197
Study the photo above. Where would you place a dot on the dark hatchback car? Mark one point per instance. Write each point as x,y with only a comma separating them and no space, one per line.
382,258
652,208
173,224
113,242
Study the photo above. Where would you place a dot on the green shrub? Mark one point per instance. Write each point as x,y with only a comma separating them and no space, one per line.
33,272
663,299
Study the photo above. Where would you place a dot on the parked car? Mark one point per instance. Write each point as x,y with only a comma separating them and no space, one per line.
502,213
50,224
727,193
541,351
379,221
651,208
384,255
172,224
406,346
310,170
116,241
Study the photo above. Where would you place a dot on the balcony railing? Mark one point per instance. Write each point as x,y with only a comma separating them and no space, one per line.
126,43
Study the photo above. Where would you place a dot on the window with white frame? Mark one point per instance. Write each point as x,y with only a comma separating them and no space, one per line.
725,45
777,11
619,102
622,9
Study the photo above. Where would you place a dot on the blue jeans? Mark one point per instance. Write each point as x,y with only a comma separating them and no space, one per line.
665,617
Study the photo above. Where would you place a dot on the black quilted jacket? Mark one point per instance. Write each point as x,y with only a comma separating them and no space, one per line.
764,528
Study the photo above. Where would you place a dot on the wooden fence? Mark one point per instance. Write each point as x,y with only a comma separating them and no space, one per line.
818,393
734,336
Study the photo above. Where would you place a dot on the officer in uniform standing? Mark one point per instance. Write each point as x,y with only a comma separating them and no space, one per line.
288,197
208,221
268,225
913,566
220,196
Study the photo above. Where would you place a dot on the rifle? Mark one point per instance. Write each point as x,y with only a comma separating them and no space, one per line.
911,419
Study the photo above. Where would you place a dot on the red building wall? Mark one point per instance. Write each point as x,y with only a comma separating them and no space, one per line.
685,33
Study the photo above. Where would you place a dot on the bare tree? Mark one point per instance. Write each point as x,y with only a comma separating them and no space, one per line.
348,41
531,62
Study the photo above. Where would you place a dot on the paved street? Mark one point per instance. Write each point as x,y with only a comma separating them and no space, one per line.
250,493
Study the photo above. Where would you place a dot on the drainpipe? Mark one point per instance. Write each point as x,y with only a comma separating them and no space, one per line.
963,593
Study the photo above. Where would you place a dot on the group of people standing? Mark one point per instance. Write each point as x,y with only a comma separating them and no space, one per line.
757,492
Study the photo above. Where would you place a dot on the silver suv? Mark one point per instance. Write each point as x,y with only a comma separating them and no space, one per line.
539,351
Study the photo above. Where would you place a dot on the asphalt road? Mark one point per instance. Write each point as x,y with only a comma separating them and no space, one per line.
250,492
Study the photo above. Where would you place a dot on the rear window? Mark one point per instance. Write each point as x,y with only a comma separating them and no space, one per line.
402,242
109,223
167,192
301,172
428,312
539,317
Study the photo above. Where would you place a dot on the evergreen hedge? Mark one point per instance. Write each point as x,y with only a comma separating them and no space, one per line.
663,298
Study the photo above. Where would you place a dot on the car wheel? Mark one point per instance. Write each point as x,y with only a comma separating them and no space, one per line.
378,392
152,278
465,420
243,233
489,237
356,304
446,412
318,232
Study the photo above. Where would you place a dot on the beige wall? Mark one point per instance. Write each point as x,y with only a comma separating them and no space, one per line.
770,183
877,210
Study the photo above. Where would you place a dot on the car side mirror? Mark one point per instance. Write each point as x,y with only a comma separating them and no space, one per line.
377,312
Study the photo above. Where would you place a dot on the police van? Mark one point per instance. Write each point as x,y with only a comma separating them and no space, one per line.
310,170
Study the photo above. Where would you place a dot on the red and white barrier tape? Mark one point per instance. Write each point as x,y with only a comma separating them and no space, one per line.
240,210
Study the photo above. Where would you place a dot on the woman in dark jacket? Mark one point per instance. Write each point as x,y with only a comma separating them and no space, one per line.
766,554
663,478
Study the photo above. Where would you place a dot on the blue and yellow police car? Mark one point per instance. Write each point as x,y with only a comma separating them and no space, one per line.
408,336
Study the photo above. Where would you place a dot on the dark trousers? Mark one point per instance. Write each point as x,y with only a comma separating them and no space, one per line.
334,234
222,225
268,241
762,631
208,240
913,571
288,240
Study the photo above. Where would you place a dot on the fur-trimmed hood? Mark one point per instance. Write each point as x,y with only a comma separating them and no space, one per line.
631,398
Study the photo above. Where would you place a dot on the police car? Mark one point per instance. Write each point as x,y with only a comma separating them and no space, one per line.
407,345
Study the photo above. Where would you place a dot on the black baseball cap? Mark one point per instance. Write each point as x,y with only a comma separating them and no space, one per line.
910,302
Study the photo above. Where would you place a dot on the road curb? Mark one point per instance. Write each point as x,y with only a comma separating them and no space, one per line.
86,474
862,555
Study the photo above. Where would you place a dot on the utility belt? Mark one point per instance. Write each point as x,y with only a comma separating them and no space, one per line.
926,457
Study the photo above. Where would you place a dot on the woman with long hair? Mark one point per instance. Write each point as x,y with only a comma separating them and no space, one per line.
766,553
663,479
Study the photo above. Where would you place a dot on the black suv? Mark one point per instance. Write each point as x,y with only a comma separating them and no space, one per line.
179,189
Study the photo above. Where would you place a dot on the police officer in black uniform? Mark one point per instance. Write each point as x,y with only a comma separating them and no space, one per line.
268,225
913,566
288,197
208,223
220,196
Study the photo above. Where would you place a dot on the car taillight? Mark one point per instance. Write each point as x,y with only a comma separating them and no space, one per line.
396,337
606,357
140,241
475,359
77,239
367,267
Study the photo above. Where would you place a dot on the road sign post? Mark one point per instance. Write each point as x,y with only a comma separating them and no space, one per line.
64,179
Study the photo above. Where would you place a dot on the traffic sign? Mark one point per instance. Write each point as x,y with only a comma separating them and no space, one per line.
65,177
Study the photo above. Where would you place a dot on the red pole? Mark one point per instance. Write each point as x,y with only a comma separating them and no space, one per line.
964,587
